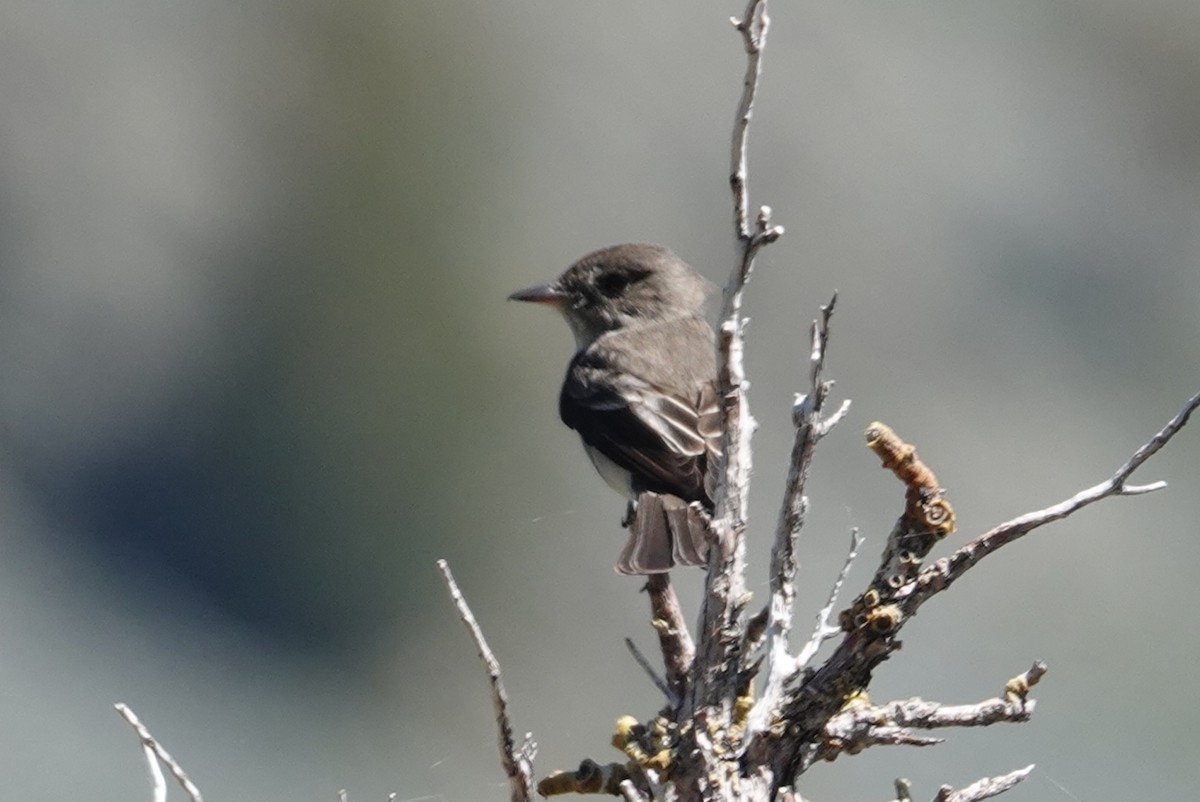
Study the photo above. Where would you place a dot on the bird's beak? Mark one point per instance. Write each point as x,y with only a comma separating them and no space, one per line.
550,293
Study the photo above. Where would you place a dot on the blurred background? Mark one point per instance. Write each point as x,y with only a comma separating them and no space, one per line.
257,372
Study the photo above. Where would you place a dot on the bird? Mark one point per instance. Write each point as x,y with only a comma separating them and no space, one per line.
640,391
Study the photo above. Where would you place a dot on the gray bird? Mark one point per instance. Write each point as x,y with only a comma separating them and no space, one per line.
640,391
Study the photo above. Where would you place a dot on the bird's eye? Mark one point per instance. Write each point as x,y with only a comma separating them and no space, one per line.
614,282
611,284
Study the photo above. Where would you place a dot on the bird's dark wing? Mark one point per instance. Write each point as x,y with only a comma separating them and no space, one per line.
666,436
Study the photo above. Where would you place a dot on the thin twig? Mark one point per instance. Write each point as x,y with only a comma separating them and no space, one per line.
880,735
158,783
941,574
986,788
155,753
725,595
810,429
925,715
824,630
858,726
678,649
821,695
518,764
753,26
641,660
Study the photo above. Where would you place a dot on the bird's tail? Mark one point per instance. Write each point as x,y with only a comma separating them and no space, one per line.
665,531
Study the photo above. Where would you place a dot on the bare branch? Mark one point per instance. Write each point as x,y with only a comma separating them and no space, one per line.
824,630
517,763
158,783
725,596
810,428
836,418
881,735
893,724
941,574
869,641
678,649
986,788
155,753
925,715
859,724
753,26
641,660
1138,490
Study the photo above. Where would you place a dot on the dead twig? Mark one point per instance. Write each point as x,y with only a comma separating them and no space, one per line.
674,640
725,595
156,754
824,630
861,725
641,660
780,665
983,789
940,575
517,762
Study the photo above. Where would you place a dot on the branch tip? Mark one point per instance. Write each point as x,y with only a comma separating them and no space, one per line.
517,763
156,754
641,660
938,576
985,788
1138,490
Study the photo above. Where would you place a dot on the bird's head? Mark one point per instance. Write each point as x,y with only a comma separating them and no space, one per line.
624,285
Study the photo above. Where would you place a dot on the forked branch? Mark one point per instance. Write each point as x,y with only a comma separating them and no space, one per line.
879,613
940,575
811,427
